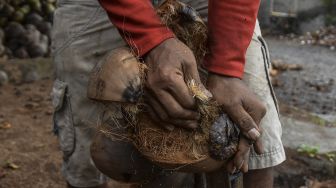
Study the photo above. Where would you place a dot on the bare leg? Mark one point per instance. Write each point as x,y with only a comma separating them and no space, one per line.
259,178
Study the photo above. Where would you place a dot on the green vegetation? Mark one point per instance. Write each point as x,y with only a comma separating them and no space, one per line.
330,6
311,151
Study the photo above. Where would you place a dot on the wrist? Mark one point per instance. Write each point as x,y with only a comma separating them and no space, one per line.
214,75
158,45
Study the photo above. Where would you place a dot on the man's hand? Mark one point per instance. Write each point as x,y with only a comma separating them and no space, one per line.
171,65
245,110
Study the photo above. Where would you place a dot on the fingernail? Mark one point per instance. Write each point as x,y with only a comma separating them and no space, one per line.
254,134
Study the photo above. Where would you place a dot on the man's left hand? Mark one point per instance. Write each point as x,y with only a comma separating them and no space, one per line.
245,110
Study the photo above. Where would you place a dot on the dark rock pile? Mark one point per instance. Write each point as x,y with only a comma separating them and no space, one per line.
25,28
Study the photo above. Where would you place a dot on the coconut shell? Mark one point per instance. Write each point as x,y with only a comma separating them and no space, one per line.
180,148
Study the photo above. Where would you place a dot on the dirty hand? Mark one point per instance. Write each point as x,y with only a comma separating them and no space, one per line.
245,110
171,64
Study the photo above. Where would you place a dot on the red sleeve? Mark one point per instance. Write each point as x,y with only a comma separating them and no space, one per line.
231,24
137,22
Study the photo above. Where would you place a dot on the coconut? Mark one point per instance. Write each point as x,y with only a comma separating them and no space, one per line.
21,53
180,147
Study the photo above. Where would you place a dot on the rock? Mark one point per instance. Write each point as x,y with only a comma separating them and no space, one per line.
40,48
15,43
49,8
32,35
25,9
36,5
45,28
3,77
3,21
31,76
21,53
7,10
14,30
31,105
16,2
18,16
33,19
9,52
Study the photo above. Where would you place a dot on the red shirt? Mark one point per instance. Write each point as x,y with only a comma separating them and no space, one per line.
230,22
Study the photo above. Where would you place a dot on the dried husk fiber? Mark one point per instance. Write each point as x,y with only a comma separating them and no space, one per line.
179,146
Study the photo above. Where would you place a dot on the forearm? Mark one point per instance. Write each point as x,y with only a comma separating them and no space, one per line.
231,25
138,23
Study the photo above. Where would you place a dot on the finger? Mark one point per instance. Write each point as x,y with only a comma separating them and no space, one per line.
170,125
244,121
243,149
257,113
173,108
188,124
255,108
156,106
244,168
156,119
258,146
190,71
164,117
181,93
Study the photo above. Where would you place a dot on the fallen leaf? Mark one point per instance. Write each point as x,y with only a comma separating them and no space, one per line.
12,166
5,125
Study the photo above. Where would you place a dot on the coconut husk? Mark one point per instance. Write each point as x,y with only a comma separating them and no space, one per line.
179,146
186,24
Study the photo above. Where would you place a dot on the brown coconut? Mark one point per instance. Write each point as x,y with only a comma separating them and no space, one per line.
179,147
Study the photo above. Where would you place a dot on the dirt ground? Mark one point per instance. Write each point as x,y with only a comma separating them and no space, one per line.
29,153
313,87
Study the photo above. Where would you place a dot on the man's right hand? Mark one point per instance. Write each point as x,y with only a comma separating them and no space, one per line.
171,65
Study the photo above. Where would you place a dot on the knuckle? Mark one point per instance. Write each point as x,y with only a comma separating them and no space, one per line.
263,110
165,76
231,106
175,113
244,122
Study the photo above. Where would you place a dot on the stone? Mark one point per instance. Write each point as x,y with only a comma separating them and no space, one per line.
3,77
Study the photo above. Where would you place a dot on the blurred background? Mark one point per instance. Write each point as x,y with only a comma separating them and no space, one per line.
301,36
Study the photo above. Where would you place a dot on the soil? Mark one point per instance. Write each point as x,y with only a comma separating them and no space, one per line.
313,88
30,156
300,170
28,141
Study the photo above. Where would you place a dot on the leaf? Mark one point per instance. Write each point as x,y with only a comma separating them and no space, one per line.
12,165
5,125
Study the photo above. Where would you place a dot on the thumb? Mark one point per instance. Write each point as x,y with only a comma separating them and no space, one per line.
192,78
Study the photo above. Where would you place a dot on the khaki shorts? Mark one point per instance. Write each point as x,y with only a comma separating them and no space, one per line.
82,35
